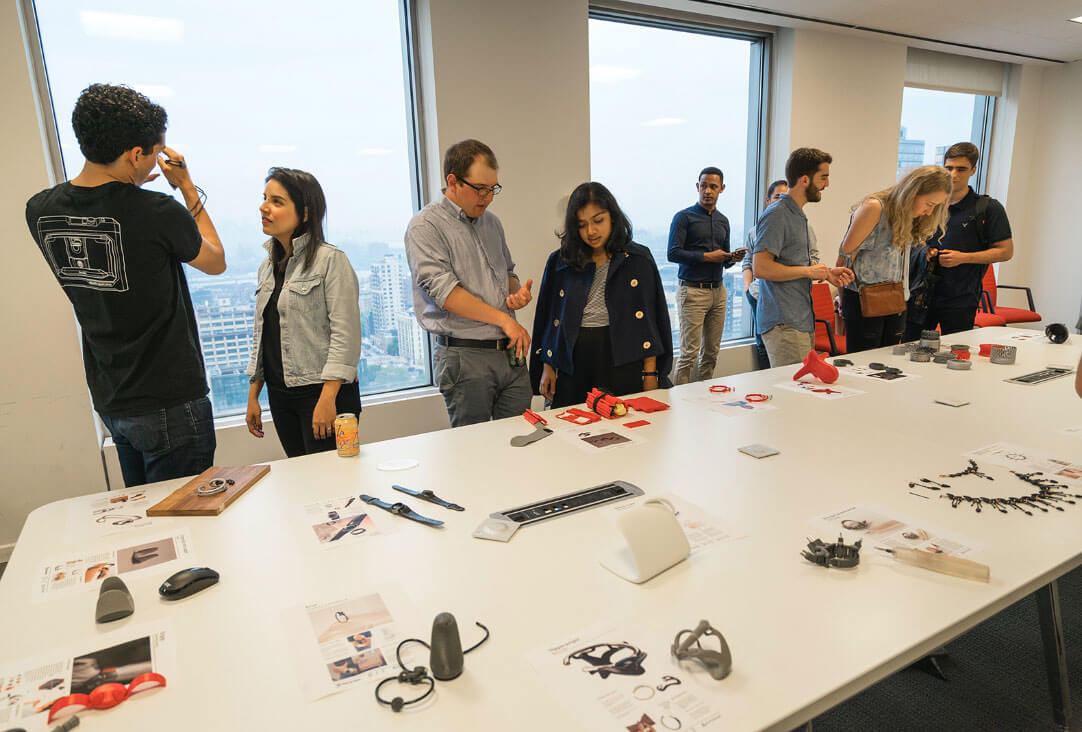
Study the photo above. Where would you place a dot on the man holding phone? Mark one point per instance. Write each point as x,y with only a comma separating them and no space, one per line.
699,244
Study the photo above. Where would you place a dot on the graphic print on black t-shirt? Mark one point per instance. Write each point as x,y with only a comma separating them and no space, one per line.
117,252
84,251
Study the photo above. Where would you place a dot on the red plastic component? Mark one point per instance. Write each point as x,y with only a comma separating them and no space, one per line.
816,365
646,404
574,415
963,355
986,348
720,389
533,417
636,423
104,696
756,397
606,404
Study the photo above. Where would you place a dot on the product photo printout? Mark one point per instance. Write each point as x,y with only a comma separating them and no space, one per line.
341,643
878,374
600,436
620,676
340,521
877,526
28,688
820,390
84,571
701,528
1027,460
107,513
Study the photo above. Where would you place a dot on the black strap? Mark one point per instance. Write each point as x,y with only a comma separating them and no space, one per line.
427,495
401,509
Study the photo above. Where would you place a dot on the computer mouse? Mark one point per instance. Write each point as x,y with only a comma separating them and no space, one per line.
188,582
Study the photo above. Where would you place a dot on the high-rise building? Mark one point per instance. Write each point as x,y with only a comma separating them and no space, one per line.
910,153
388,292
411,340
225,335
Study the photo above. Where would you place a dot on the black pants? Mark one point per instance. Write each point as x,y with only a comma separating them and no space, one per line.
291,409
594,367
862,333
949,320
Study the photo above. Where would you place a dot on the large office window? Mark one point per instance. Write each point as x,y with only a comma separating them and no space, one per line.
322,88
933,120
667,101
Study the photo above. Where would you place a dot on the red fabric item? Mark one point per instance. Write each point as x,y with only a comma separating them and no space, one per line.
823,305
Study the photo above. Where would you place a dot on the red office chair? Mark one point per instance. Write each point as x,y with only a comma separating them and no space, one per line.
826,340
1009,315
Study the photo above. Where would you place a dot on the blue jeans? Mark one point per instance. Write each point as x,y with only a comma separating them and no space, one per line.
169,443
760,349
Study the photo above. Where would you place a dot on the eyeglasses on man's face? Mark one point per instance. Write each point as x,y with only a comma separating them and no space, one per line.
483,190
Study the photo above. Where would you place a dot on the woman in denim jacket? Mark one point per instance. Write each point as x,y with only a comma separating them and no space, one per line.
307,339
601,317
882,230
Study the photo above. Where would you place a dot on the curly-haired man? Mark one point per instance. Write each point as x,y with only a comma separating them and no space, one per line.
117,250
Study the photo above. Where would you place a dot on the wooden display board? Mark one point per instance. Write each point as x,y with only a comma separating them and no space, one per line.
184,501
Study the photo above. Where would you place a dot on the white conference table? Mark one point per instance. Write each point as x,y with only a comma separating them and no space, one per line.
803,638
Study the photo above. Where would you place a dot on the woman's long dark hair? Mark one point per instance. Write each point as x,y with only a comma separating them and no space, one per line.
307,196
573,249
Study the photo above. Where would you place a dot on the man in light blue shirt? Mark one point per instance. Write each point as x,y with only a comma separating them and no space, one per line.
465,292
782,260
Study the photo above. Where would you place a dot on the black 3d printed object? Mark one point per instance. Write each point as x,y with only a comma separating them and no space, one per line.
839,554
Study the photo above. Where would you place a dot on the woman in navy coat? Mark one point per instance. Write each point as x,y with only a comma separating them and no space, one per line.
601,317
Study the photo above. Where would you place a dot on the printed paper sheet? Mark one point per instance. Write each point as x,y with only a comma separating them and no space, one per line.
29,687
341,643
622,677
85,571
340,521
820,390
1027,460
108,513
878,526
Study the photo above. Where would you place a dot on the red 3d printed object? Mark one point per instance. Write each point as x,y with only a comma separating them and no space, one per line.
816,365
605,404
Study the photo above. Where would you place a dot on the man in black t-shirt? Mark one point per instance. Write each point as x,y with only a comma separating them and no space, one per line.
978,234
117,250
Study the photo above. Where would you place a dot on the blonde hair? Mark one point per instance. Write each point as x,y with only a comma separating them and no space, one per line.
898,204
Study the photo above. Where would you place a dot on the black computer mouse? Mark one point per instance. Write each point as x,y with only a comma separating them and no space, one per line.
188,582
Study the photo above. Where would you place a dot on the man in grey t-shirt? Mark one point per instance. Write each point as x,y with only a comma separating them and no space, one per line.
465,292
782,260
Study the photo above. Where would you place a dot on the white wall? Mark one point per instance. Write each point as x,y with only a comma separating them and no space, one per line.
48,441
1048,245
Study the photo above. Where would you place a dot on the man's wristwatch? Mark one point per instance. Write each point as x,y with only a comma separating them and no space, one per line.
649,373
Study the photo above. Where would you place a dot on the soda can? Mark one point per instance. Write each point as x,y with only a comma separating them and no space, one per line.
346,435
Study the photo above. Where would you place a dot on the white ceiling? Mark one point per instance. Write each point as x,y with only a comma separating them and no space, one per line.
1037,28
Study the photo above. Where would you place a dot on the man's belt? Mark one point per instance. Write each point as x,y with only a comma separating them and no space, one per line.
427,495
499,344
702,285
401,509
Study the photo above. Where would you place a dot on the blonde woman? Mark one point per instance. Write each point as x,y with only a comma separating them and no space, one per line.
882,230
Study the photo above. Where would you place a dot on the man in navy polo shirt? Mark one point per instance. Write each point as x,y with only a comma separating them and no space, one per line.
699,243
978,234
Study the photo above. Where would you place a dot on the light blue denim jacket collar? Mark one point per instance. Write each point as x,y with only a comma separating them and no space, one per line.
300,243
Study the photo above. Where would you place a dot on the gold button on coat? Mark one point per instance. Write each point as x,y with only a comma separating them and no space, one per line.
638,314
556,322
645,344
549,353
634,283
561,293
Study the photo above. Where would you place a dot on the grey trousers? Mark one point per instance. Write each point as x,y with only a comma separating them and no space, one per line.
786,345
478,384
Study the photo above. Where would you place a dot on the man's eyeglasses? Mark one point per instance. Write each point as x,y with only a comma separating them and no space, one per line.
483,190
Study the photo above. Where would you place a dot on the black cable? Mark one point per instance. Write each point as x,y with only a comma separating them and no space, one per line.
418,675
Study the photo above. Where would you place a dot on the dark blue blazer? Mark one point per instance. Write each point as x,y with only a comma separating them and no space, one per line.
638,314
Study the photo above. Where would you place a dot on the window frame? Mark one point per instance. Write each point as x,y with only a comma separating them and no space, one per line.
983,137
759,77
414,139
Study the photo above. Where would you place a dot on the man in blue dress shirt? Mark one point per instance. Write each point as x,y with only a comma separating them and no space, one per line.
699,243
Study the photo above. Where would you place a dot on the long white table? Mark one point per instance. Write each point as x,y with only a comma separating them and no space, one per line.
803,638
